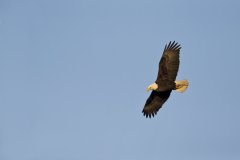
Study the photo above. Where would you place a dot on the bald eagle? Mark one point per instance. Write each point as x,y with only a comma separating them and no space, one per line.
166,80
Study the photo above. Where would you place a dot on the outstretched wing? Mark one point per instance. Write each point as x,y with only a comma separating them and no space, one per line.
155,102
168,65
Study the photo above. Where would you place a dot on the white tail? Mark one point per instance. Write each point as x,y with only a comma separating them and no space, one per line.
181,85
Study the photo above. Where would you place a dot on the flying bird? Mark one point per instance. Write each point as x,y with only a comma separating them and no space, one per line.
166,80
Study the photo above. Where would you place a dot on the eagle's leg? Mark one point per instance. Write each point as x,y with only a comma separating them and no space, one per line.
181,85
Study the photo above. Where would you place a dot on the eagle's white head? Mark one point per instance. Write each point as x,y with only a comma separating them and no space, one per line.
153,86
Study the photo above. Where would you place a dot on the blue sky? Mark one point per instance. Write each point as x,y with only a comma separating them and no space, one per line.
74,77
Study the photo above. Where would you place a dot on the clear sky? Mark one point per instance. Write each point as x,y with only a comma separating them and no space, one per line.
73,78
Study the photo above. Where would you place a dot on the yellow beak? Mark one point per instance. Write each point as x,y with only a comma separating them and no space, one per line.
148,89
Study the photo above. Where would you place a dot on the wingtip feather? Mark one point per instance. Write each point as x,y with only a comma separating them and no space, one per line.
172,46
